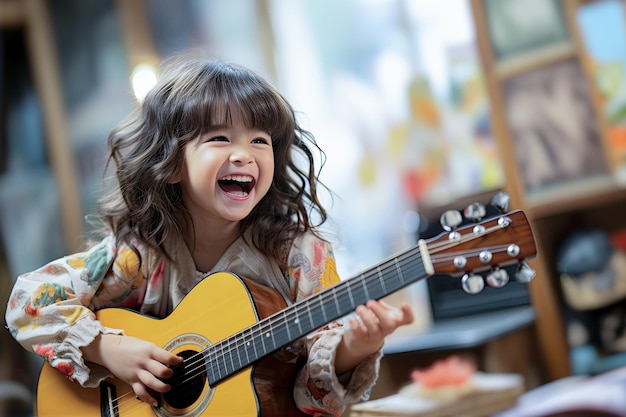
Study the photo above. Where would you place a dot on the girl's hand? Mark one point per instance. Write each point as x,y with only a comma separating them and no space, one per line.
367,331
139,363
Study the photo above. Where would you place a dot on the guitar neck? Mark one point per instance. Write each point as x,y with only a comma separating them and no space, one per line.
255,342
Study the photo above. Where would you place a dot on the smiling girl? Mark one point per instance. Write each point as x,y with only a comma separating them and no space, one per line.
206,181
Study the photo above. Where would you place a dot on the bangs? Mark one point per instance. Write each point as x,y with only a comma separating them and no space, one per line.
240,94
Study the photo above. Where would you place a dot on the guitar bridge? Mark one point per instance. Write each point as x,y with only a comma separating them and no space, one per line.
108,400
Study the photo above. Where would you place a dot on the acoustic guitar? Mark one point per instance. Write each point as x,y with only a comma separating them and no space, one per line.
231,331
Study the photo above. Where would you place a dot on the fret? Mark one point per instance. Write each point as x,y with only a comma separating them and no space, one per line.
210,371
255,343
287,326
218,367
375,288
322,308
281,336
382,281
297,321
219,363
238,347
232,362
317,312
247,347
261,338
309,315
398,269
343,298
410,270
349,291
357,293
268,336
391,280
333,292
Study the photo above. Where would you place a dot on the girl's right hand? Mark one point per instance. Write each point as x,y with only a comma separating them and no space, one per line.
139,363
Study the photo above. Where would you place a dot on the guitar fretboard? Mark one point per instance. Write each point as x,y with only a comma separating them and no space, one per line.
265,337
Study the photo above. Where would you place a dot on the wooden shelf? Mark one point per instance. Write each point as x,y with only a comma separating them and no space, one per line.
576,196
527,62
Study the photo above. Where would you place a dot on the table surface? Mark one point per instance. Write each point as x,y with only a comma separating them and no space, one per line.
463,332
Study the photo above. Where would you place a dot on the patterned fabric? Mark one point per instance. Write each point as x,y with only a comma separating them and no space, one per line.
51,310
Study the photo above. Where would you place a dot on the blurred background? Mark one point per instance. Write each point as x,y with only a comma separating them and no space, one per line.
420,106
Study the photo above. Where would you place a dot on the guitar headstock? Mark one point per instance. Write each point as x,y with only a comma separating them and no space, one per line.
483,245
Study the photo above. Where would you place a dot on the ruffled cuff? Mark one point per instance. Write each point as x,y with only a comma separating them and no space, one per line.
363,378
82,333
321,384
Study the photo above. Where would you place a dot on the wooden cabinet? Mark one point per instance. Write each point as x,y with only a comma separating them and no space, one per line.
533,85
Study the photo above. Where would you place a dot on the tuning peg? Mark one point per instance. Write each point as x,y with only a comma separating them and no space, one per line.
472,283
475,212
450,220
500,201
524,273
498,278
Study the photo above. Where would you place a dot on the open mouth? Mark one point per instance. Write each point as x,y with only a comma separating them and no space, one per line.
238,185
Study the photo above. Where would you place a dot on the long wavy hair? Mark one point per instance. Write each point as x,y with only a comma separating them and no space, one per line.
146,152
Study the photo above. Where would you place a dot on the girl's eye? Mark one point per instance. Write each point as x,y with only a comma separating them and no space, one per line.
218,139
261,140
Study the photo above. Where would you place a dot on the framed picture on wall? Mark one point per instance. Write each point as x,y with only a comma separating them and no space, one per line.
518,26
553,126
602,25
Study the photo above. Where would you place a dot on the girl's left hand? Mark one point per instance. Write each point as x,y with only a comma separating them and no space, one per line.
368,328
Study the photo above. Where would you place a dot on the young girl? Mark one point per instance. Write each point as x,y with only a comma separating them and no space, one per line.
209,177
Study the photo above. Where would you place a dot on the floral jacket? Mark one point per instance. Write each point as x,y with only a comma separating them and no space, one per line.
51,310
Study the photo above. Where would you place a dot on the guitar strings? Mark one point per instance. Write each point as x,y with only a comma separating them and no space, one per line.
233,343
123,399
445,244
264,327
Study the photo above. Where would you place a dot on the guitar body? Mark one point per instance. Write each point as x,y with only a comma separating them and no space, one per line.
219,306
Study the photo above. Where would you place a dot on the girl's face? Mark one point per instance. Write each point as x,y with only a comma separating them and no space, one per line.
226,172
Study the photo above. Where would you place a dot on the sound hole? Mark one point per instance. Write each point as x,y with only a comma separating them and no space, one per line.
188,380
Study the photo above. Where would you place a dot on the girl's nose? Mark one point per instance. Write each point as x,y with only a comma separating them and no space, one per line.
241,156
